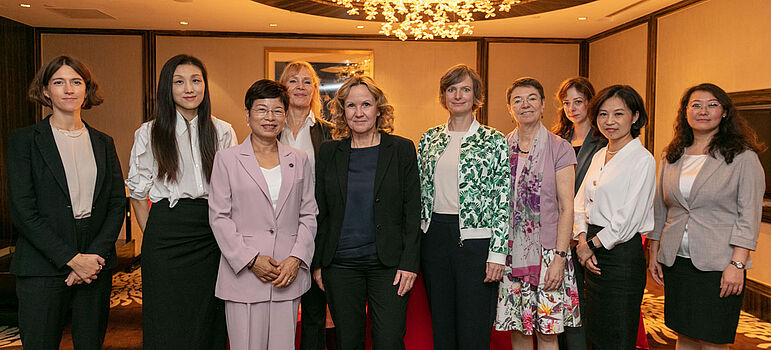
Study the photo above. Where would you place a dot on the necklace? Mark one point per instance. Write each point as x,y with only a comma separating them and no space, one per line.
72,133
612,153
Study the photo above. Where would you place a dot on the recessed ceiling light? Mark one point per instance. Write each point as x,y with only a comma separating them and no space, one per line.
273,25
25,5
581,18
360,27
184,23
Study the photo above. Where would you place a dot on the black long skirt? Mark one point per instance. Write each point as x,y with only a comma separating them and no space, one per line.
693,306
613,298
180,258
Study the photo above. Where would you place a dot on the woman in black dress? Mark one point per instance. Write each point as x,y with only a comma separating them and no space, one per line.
171,164
65,190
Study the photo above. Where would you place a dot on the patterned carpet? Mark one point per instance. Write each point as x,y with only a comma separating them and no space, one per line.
124,331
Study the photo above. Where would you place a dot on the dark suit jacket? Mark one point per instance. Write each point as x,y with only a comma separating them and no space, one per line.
320,132
40,204
591,145
396,203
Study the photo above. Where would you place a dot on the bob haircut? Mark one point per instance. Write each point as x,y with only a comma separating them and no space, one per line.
524,81
163,132
43,77
294,68
265,88
734,136
564,127
631,99
385,118
455,75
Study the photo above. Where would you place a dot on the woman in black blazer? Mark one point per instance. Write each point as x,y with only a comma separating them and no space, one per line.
367,245
67,203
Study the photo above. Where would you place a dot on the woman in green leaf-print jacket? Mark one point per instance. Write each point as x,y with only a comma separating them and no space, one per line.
465,192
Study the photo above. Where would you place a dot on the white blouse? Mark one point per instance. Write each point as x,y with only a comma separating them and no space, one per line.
142,180
303,140
692,164
79,163
618,195
446,196
273,178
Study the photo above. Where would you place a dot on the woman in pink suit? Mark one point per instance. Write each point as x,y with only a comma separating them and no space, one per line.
263,214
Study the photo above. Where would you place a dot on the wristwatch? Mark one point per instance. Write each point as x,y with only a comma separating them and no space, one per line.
739,265
561,253
591,245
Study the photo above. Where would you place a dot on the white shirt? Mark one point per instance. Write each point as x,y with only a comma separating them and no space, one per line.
273,178
142,180
79,163
447,198
303,140
618,195
692,164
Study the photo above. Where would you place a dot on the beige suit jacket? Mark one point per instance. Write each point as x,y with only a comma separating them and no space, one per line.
723,210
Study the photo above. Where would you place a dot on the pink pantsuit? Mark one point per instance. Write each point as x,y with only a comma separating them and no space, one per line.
245,224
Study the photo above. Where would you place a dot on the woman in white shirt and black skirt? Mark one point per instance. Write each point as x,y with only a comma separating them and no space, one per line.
613,206
171,164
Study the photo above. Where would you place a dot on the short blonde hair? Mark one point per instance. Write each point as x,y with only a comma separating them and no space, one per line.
295,67
385,119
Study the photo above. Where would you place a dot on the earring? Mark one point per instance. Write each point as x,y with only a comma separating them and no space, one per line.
723,116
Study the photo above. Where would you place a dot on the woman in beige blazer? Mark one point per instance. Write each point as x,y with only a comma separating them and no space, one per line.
707,207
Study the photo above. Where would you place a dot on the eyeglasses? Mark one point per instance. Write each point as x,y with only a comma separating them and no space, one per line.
712,106
517,101
262,112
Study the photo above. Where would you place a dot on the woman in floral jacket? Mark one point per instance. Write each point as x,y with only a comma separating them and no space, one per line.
464,177
538,295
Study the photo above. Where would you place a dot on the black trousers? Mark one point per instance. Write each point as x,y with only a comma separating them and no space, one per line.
574,338
45,303
613,298
314,319
462,305
350,290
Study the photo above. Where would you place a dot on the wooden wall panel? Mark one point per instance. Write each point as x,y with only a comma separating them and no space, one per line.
16,71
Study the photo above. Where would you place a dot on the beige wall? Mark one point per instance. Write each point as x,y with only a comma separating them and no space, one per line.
620,59
408,72
115,62
549,63
724,42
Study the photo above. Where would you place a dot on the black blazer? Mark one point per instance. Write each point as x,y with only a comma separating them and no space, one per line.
591,145
396,203
40,204
320,132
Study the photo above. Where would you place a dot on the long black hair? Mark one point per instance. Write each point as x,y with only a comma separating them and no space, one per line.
163,132
734,136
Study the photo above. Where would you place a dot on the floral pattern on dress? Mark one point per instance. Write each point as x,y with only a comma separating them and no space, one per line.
526,308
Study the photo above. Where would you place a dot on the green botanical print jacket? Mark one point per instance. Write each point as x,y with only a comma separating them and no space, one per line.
483,183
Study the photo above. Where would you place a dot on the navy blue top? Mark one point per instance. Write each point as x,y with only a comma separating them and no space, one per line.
356,246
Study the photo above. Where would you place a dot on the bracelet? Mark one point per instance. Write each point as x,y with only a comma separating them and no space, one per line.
561,253
251,263
591,245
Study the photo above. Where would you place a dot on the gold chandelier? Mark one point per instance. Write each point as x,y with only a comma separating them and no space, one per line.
427,19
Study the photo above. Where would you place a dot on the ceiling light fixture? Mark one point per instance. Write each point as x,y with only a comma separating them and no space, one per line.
581,18
426,19
360,27
184,23
273,25
25,5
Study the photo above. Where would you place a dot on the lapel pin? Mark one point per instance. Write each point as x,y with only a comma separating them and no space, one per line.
291,165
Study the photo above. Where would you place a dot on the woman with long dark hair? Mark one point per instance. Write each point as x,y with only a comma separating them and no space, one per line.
171,165
612,208
65,190
708,206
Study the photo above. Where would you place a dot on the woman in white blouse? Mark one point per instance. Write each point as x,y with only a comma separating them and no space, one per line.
709,202
171,164
613,206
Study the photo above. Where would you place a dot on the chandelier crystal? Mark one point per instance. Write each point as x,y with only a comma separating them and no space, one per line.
427,19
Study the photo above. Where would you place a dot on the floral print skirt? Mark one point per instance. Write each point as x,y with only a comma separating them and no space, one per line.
524,307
